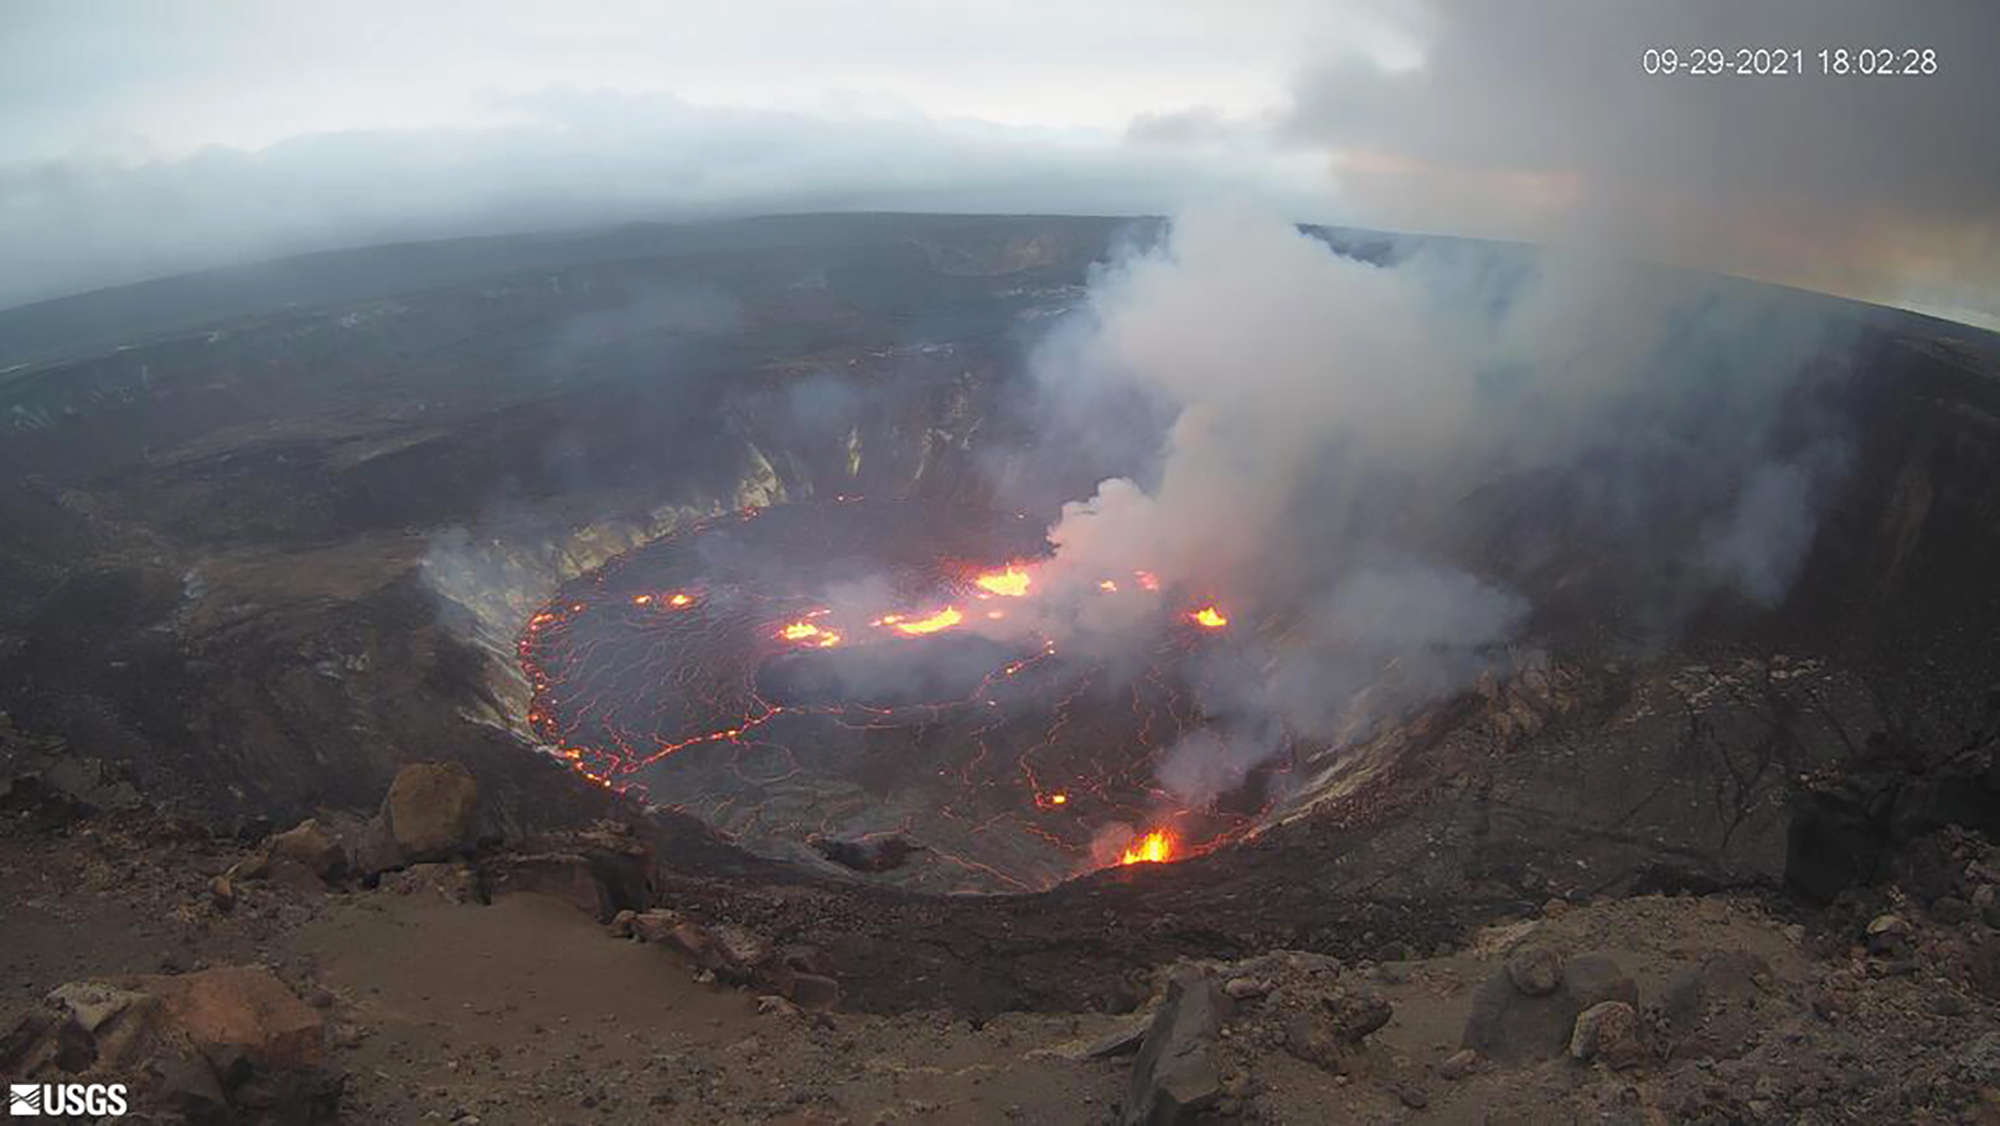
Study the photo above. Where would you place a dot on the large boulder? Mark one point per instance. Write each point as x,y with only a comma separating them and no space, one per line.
1513,1026
1607,1032
1325,1031
376,850
51,786
1176,1079
312,846
567,876
224,1045
430,809
1535,969
242,1009
602,870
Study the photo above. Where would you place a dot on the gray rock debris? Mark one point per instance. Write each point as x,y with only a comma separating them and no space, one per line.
1175,1078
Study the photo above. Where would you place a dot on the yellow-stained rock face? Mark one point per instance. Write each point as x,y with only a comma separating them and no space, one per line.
430,808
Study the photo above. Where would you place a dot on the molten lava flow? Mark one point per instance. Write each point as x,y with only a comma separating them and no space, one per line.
1012,582
943,619
806,631
1156,847
670,677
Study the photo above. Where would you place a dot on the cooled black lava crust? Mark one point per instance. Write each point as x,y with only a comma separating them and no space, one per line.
1010,767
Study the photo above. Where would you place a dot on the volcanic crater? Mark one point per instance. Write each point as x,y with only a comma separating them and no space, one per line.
815,680
277,531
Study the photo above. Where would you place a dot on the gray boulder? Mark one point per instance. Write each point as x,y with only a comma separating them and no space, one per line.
1535,969
1176,1079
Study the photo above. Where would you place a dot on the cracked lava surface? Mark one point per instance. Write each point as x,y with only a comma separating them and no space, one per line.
818,680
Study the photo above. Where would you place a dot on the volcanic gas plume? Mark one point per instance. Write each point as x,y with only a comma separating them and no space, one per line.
812,678
1001,702
1312,437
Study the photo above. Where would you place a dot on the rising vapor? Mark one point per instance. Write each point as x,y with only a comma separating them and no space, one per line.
1330,419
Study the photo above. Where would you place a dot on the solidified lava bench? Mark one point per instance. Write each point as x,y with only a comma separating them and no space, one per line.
828,679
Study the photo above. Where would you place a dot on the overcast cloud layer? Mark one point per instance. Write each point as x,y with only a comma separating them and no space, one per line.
140,139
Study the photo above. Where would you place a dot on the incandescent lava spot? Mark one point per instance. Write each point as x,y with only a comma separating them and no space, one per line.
867,670
1156,847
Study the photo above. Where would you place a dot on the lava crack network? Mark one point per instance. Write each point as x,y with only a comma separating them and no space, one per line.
814,678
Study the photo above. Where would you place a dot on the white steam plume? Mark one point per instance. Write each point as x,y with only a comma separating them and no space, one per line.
1334,420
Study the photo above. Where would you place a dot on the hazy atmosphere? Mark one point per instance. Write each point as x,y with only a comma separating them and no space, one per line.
143,139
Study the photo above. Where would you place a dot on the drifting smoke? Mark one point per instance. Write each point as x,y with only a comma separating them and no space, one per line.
1348,440
1539,121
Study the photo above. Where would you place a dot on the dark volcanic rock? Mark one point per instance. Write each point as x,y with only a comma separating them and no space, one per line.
1983,965
567,876
882,854
1322,1034
602,870
1535,969
1175,1078
1588,979
1680,1003
813,992
376,850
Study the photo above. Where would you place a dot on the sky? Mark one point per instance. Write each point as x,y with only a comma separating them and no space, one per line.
140,138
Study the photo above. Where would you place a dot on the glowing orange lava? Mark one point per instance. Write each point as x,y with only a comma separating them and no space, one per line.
641,599
680,600
1108,587
1208,617
806,631
943,619
1012,582
1058,799
1156,847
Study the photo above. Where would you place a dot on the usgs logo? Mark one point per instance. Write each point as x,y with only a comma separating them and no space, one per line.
99,1100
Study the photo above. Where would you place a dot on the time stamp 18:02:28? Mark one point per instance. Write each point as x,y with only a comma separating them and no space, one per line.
1700,62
